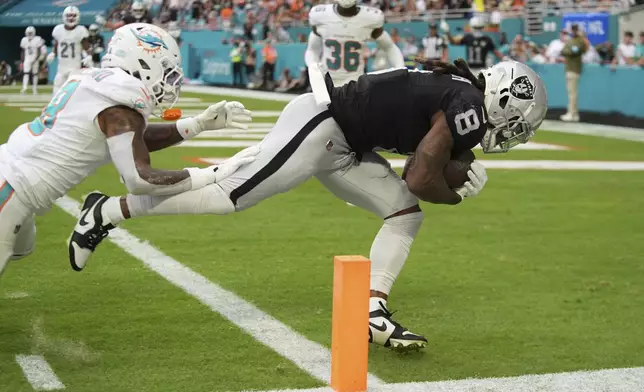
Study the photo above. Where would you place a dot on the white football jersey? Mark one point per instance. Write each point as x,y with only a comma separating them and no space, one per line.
69,45
32,48
344,39
45,158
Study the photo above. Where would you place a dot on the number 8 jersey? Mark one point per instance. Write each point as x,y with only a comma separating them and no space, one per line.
343,39
69,46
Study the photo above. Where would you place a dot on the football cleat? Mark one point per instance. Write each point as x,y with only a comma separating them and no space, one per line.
90,230
386,332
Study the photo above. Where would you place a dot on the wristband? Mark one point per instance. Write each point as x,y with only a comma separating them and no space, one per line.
188,127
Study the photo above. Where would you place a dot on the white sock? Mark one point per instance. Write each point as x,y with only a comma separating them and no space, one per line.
210,199
390,249
25,81
34,80
374,303
111,211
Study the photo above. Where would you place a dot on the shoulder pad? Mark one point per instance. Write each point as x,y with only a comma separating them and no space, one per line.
372,17
120,88
57,31
23,42
316,14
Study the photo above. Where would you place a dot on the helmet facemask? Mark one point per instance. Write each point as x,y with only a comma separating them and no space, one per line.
166,90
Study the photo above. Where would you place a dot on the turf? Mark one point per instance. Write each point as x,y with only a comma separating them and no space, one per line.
541,273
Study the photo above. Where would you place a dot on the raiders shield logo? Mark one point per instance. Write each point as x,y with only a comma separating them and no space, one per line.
522,88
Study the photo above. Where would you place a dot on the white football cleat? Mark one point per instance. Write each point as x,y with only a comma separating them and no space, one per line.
386,332
569,117
90,230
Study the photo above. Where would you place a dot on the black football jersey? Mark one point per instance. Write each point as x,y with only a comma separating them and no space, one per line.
392,110
95,41
477,49
129,19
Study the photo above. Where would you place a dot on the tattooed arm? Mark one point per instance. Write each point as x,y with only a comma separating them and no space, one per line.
160,136
124,129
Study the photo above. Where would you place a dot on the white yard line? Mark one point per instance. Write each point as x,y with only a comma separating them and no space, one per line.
38,372
608,380
607,131
309,356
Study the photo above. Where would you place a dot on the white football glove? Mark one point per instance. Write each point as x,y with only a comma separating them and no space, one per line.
51,57
87,61
444,26
478,178
218,116
216,173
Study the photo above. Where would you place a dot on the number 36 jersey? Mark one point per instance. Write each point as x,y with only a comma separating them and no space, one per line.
69,46
392,110
45,158
343,39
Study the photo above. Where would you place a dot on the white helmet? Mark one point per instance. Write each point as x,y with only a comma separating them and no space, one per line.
516,104
346,3
93,29
71,16
477,23
150,54
30,32
138,9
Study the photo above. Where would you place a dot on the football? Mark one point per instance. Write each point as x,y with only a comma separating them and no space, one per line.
455,171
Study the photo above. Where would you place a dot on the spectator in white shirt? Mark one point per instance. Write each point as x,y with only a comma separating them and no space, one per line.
421,6
409,48
554,49
626,50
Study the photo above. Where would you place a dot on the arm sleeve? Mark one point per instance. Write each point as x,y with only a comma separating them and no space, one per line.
313,53
394,55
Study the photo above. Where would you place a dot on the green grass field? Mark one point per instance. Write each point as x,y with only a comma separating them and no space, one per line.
541,273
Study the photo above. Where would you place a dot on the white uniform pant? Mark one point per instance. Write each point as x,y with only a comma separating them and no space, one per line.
31,67
61,77
17,226
307,142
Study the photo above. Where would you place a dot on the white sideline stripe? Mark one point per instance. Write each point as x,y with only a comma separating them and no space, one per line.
38,372
312,357
608,380
607,131
233,92
521,165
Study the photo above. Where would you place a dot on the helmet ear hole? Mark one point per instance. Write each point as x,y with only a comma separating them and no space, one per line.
504,100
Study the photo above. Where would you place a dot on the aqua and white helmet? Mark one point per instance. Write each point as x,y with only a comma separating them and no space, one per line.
71,16
346,3
150,54
30,32
516,104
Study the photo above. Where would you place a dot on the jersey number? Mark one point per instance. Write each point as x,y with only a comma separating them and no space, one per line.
65,48
468,122
347,56
30,51
474,54
50,112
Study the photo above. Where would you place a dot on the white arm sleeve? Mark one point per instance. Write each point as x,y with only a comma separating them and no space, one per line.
394,55
123,158
313,53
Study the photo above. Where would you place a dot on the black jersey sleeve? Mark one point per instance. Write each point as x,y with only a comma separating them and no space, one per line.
490,44
467,121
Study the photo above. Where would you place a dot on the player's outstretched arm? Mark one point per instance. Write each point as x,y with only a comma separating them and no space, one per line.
424,175
124,129
384,42
313,53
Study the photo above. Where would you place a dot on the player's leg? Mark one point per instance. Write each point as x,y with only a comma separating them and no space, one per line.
25,239
296,149
13,213
372,185
60,79
26,69
34,76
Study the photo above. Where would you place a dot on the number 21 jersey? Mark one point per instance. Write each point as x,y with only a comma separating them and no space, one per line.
69,46
343,39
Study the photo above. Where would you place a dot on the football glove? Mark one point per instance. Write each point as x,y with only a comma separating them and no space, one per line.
216,173
50,57
218,116
478,178
87,61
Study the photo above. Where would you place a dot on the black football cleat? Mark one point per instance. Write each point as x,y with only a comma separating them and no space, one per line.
90,230
388,333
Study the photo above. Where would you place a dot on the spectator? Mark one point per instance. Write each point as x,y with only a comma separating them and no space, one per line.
626,50
639,52
174,6
286,81
537,54
554,49
409,48
5,73
395,36
606,52
197,10
518,49
236,61
591,56
248,30
269,53
301,38
281,34
250,62
574,49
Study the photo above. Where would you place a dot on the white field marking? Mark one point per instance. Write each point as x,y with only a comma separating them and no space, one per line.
233,92
233,136
38,372
309,356
521,165
16,295
241,143
607,380
607,131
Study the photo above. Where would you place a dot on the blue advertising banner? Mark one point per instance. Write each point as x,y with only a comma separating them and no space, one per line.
596,25
49,12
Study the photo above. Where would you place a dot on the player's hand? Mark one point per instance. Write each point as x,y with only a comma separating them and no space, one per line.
87,61
231,165
444,26
478,178
224,115
50,57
